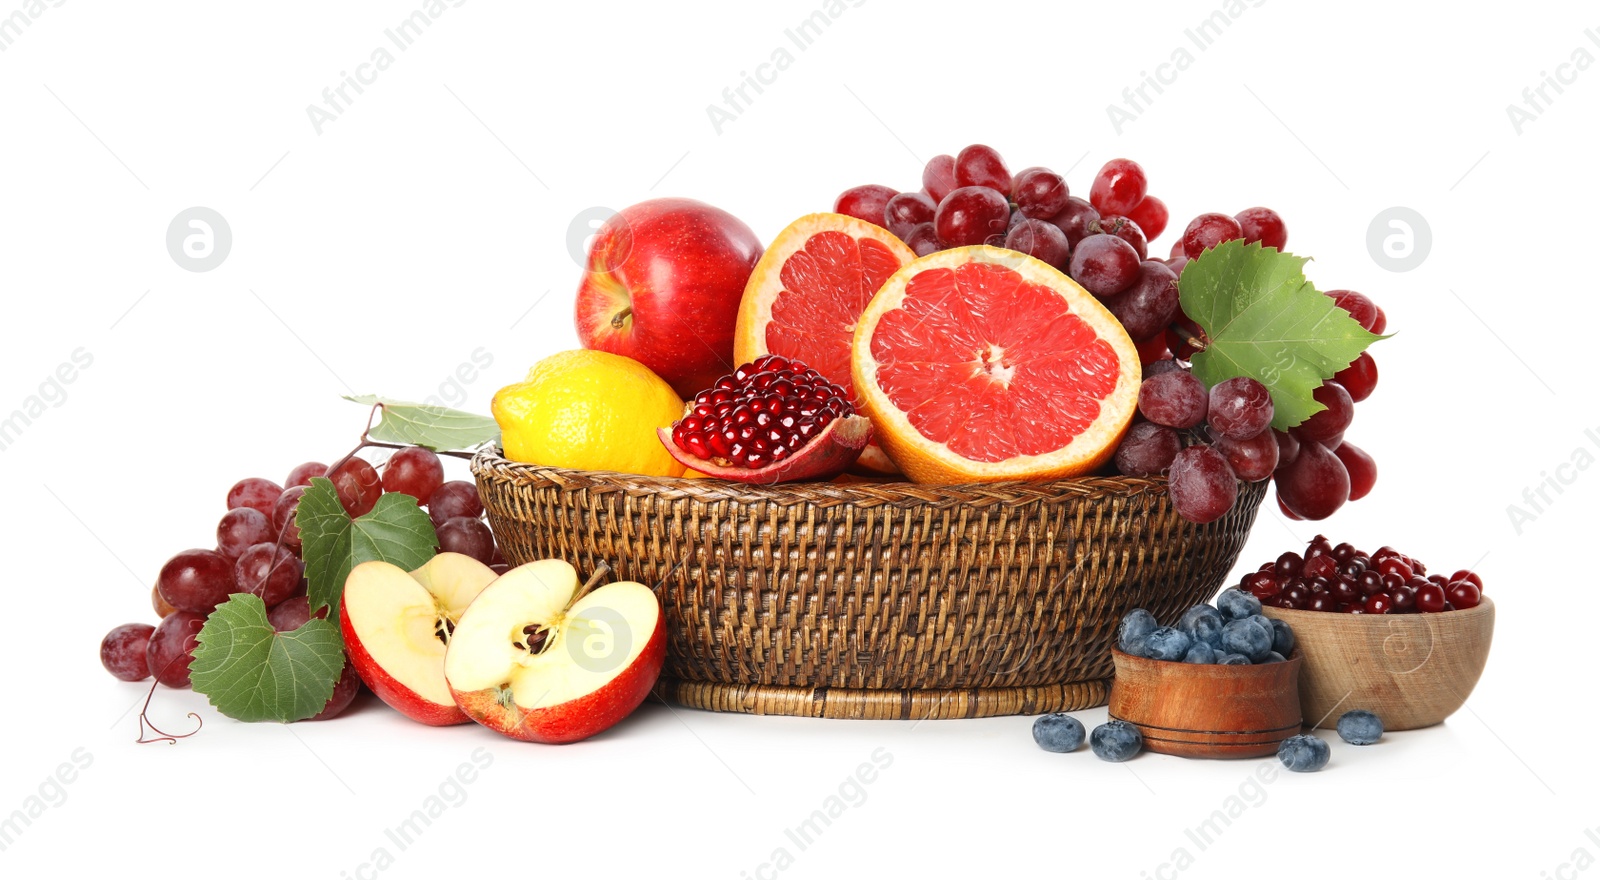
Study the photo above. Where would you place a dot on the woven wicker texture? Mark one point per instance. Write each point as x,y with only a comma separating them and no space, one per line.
876,600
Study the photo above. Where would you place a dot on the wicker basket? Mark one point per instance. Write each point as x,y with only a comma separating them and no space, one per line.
876,600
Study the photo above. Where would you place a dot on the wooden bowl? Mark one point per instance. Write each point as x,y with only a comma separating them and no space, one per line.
1204,710
1413,670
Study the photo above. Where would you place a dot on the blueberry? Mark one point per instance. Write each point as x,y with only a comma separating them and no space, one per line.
1166,643
1203,623
1359,727
1116,741
1282,637
1131,632
1058,732
1274,657
1200,652
1248,638
1304,753
1236,604
1233,660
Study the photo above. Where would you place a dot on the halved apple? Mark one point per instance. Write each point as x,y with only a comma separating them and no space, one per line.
537,658
397,625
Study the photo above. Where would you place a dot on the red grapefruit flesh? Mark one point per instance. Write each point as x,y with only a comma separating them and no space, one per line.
981,364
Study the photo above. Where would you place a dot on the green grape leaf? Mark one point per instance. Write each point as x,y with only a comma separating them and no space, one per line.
396,531
1264,320
251,672
420,424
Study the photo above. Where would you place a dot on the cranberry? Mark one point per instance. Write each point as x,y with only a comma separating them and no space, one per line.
1344,552
1297,594
1470,576
1289,564
1404,599
1370,583
1262,585
1321,602
1379,604
1464,594
1347,592
1396,565
1431,599
1319,546
1320,566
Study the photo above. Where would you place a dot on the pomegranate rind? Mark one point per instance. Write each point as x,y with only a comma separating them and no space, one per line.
824,456
929,460
766,285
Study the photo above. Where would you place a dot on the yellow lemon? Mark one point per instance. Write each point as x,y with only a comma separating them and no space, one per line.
589,410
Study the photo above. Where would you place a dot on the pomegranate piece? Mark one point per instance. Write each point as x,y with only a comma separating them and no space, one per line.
772,420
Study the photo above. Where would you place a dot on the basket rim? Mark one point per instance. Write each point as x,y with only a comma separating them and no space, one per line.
491,464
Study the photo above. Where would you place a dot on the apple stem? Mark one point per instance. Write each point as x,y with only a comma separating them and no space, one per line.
594,581
621,317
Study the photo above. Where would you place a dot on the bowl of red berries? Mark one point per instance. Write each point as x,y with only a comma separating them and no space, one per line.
1378,631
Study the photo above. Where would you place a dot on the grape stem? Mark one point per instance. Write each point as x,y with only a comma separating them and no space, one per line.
1196,344
162,735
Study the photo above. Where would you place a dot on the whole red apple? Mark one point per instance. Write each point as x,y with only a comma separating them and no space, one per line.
662,285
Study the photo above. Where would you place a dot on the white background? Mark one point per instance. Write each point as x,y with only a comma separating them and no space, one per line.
432,219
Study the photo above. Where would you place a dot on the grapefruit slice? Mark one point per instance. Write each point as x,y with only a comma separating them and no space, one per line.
979,364
805,295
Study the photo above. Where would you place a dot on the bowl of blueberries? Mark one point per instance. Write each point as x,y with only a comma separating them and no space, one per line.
1221,683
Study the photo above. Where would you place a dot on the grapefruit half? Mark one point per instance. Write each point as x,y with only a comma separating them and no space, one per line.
979,364
806,294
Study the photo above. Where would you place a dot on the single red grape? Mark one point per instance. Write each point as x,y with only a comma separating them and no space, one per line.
1315,484
414,471
197,580
359,486
971,214
467,536
171,648
1332,421
1039,193
240,528
269,571
1207,231
1146,307
1075,218
283,524
1202,486
864,202
1263,225
1039,239
453,499
1151,215
256,493
1104,264
124,652
302,474
939,177
1175,399
980,165
906,211
1360,377
1148,449
1253,459
1118,188
1362,469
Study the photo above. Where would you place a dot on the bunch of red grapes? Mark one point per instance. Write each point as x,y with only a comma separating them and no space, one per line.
1204,439
1344,579
259,551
